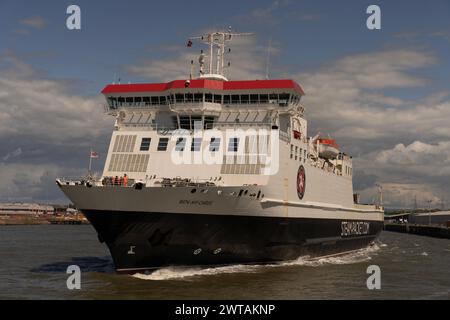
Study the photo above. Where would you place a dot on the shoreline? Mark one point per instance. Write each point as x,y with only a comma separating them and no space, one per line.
36,221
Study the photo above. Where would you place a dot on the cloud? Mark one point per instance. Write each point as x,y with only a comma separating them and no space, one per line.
44,127
347,99
418,170
395,141
35,22
266,17
247,61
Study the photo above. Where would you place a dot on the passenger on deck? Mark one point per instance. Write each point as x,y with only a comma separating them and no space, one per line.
125,180
120,181
116,181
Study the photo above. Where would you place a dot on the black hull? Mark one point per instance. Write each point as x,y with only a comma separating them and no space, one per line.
141,241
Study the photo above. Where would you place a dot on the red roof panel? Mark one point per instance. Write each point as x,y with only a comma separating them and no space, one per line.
204,84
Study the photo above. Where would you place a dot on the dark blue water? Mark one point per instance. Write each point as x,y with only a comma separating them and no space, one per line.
34,259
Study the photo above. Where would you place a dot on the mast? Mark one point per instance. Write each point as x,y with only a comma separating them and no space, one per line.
216,40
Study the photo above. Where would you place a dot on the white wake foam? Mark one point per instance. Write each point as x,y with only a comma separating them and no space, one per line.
177,273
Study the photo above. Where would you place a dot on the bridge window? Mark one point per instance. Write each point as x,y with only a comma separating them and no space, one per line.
189,97
233,144
198,97
145,144
217,98
179,98
284,99
208,97
196,144
146,100
235,98
244,98
273,98
155,100
162,144
214,144
179,146
263,98
226,99
162,100
129,100
254,98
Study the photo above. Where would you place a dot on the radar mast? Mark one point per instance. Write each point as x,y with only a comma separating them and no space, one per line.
215,41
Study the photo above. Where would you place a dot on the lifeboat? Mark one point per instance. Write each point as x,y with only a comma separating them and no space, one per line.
328,148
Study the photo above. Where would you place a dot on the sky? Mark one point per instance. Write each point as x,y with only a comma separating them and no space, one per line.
383,94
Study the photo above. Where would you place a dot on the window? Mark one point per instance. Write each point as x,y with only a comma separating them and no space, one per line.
162,144
189,97
146,100
198,97
292,151
233,145
138,100
254,98
179,98
304,155
185,122
208,97
208,122
196,122
235,98
300,154
155,100
129,100
284,99
162,99
273,98
226,99
244,98
296,152
145,144
181,142
214,144
217,98
264,98
196,144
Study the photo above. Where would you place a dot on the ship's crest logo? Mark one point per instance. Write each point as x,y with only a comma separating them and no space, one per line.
301,182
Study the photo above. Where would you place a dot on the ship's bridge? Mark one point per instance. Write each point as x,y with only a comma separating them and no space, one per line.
203,95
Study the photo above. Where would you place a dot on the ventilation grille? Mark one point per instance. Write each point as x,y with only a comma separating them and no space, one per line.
128,163
124,143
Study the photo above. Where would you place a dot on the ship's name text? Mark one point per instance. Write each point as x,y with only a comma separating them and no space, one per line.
196,202
354,228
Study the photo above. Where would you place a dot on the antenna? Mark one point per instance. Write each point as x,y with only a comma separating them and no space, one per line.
268,58
380,194
216,40
192,70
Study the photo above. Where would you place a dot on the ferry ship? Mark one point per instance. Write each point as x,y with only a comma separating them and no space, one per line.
210,171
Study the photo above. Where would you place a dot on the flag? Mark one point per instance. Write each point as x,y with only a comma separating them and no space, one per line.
189,44
94,154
